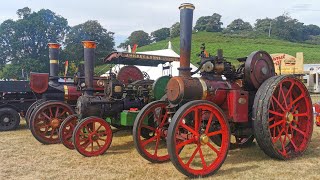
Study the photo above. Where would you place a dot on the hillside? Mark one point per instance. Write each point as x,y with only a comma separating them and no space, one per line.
235,47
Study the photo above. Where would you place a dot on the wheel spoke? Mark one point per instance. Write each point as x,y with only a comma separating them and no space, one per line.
145,142
276,113
277,124
193,155
298,130
209,122
213,148
157,145
204,164
164,118
279,135
98,143
186,142
284,97
296,100
196,120
57,112
148,127
46,116
279,104
50,110
188,128
214,133
301,115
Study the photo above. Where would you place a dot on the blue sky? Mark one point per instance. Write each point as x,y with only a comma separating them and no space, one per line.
125,16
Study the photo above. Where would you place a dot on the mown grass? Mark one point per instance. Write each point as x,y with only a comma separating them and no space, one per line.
235,47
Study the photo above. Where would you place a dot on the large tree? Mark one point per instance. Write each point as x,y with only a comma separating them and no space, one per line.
238,26
139,37
26,39
160,34
263,25
175,30
90,30
209,23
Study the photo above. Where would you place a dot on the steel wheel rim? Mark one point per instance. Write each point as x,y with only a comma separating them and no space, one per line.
158,132
47,120
66,131
92,136
290,118
199,138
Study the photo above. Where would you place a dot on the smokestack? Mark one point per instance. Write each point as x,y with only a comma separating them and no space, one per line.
89,55
54,61
186,18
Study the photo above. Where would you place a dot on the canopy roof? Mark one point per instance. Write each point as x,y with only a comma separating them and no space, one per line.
140,59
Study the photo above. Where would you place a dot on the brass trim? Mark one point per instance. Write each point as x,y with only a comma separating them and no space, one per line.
54,45
54,61
89,44
204,88
66,92
186,6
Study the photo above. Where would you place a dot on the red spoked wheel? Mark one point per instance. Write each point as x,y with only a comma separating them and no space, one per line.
92,136
283,117
66,130
150,131
190,134
46,119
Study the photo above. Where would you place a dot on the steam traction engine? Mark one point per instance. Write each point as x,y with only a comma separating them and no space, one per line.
56,100
193,126
89,131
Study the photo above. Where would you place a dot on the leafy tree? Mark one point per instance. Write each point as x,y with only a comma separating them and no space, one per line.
263,25
209,23
139,37
160,34
27,38
289,29
90,30
238,26
24,12
312,30
175,30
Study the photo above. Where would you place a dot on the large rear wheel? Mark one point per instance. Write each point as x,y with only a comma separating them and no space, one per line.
46,119
31,109
283,117
189,142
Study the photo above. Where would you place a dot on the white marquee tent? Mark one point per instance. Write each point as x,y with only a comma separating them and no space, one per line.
156,72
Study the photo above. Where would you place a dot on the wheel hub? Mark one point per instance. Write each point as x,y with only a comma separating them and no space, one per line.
6,120
94,137
204,139
55,123
289,117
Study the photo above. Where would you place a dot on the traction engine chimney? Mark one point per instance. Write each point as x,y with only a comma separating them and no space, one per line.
186,18
54,61
89,55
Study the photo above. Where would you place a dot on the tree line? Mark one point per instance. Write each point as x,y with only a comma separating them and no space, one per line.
282,27
23,42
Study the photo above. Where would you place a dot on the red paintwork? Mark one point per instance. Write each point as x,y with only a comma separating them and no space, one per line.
238,105
39,82
72,94
317,111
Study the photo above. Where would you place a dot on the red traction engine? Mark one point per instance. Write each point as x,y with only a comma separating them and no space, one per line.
317,113
195,126
56,100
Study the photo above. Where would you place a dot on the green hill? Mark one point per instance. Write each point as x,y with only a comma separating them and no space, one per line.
235,47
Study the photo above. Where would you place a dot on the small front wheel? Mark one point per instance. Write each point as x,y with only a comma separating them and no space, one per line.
92,136
189,142
66,130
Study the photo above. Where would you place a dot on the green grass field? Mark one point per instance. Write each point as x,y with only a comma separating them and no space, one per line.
235,47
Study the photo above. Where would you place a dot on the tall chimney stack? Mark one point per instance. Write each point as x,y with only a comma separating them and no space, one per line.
54,61
186,18
89,55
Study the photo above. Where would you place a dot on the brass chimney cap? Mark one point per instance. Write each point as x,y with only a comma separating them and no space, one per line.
54,45
186,6
89,44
